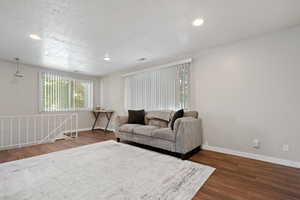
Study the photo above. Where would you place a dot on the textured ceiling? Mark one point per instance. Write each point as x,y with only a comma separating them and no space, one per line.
76,34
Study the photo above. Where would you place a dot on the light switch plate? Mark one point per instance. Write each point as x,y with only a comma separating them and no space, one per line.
285,147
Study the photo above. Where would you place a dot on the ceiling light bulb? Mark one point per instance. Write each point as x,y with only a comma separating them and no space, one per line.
106,57
198,22
141,59
35,37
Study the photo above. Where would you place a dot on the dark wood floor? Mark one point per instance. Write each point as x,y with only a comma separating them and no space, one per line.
234,178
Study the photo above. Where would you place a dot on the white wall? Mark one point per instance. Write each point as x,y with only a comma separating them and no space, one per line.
251,90
112,97
243,91
21,96
113,92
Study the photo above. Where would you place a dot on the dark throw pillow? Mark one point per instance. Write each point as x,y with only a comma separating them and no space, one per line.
177,115
136,117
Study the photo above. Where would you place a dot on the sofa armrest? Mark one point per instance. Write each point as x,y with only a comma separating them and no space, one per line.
188,132
120,120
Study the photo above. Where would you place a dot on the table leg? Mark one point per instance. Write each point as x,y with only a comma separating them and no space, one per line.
96,119
108,117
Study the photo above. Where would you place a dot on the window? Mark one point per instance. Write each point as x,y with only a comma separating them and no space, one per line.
60,93
164,88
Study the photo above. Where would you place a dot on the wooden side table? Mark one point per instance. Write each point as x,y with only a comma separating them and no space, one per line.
108,115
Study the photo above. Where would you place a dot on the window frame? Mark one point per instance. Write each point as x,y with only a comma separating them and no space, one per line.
181,85
65,77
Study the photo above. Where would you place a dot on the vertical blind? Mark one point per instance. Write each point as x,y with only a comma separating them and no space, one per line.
60,93
161,89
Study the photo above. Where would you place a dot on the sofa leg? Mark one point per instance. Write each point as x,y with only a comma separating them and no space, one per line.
189,154
183,156
118,139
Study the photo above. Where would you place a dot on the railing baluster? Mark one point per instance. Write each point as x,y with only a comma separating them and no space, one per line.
76,120
19,132
42,125
27,129
2,133
65,127
11,131
48,124
34,125
60,128
71,134
16,131
54,122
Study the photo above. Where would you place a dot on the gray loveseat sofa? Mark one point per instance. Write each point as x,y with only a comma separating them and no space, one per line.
186,136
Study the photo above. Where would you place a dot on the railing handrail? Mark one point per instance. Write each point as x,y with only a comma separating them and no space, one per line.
36,115
57,128
23,130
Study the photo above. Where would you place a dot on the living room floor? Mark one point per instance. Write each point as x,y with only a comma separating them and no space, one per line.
234,178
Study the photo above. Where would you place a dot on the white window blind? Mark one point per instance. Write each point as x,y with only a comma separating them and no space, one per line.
160,89
60,93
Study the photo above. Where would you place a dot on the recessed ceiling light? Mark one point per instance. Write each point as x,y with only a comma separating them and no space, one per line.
34,37
106,57
141,59
198,22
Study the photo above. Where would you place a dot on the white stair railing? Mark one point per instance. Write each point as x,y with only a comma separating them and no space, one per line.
25,130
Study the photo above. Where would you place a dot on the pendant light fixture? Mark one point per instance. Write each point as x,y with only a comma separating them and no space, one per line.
18,73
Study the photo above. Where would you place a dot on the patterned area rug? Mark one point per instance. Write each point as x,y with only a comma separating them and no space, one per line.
105,170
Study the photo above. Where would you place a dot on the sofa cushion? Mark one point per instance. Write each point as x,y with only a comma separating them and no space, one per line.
136,117
158,122
178,114
145,130
128,128
164,133
161,115
193,114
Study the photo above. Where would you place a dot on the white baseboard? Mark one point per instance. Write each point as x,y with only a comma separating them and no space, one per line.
60,136
270,159
89,129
